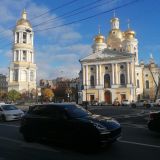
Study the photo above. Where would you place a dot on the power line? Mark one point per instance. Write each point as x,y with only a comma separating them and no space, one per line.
53,9
83,19
65,14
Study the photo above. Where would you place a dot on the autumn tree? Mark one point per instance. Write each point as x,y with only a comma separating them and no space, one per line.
47,94
13,95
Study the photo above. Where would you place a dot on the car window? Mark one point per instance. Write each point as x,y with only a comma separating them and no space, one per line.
48,111
75,111
9,107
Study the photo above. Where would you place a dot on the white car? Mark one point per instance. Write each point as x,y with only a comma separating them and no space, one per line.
157,103
125,102
9,112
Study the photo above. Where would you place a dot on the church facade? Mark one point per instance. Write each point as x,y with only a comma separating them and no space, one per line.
113,72
22,70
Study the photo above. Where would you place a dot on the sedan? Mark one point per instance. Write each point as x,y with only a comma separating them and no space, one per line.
154,121
68,123
9,112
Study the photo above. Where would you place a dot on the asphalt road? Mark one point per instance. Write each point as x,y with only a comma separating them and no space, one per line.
136,142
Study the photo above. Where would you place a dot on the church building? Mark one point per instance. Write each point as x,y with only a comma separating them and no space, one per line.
113,72
22,70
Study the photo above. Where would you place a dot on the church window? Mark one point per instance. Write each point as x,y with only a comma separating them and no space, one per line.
24,55
122,67
137,83
91,69
106,67
137,74
17,35
17,55
92,81
146,75
32,76
147,84
122,79
107,83
31,56
15,75
24,37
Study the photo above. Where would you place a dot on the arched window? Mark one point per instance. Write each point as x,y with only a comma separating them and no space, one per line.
147,84
24,76
31,76
107,83
122,79
137,83
92,80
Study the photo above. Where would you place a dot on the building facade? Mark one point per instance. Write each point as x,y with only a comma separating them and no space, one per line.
22,70
113,72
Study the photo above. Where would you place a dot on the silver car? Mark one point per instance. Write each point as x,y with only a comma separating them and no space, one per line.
9,112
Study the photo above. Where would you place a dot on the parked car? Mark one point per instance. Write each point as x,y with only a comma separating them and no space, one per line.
154,121
125,102
68,123
157,102
9,112
142,103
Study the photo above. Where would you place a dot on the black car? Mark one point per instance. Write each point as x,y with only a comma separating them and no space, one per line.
68,123
154,121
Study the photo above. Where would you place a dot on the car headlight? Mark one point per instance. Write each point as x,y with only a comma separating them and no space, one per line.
99,126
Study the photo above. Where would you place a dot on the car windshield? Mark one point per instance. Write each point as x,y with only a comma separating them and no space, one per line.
9,107
76,111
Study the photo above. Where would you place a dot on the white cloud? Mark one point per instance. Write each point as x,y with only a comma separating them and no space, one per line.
56,50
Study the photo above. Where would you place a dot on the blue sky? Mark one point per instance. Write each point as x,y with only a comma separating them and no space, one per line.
57,51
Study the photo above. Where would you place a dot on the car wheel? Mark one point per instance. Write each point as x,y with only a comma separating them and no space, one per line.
3,118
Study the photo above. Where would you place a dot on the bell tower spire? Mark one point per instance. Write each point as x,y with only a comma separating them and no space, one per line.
24,14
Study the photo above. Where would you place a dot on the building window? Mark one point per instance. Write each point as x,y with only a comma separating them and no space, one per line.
17,55
24,37
147,84
15,75
106,67
32,76
107,83
122,79
91,69
146,75
92,81
24,55
17,35
122,67
30,38
137,83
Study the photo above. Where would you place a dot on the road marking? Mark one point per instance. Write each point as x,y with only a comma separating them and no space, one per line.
29,145
132,125
140,144
10,125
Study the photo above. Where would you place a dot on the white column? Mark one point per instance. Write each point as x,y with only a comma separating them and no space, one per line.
132,73
113,80
84,78
20,37
116,73
128,73
97,77
87,75
100,74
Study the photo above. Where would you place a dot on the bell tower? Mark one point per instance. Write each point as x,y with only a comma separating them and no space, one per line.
22,70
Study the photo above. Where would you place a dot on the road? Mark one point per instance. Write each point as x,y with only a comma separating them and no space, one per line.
136,142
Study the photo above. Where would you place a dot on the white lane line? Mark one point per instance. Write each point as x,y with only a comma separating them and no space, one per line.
140,144
29,145
132,125
10,125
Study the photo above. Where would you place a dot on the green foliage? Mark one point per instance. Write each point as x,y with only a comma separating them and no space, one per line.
13,95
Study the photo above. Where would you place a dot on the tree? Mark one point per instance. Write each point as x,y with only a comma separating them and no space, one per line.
13,95
47,94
